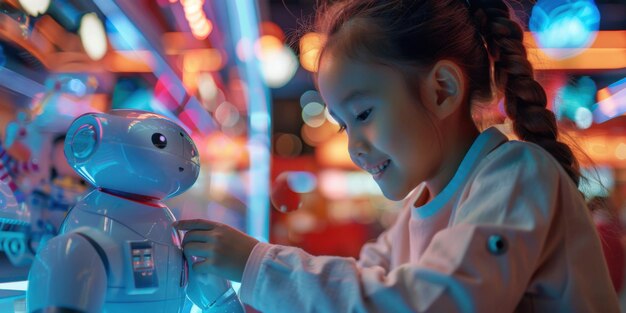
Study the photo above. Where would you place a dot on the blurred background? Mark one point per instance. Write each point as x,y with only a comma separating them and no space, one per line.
237,74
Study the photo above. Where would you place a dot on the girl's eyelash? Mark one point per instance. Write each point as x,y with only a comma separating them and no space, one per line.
361,117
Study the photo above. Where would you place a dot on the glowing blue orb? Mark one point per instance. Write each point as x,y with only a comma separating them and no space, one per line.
301,182
77,87
564,28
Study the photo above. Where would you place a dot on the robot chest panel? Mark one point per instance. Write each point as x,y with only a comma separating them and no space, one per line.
152,267
154,275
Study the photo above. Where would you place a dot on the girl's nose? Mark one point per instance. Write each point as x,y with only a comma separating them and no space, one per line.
357,147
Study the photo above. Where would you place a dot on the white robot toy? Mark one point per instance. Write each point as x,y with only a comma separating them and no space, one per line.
117,251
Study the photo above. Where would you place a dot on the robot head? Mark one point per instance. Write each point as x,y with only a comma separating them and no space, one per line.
132,151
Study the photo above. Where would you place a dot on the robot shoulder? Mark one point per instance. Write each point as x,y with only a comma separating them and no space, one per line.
66,271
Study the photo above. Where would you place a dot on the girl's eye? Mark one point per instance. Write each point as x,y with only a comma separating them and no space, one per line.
363,115
360,118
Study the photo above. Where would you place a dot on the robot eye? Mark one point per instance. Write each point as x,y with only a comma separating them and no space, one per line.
159,140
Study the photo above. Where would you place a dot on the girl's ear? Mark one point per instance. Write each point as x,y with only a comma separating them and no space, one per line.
444,89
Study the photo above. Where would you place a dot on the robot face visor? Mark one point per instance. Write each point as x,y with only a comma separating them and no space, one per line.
86,140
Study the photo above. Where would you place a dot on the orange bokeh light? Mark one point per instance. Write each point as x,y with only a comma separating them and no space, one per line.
200,26
203,60
333,153
601,149
271,29
310,47
607,52
267,44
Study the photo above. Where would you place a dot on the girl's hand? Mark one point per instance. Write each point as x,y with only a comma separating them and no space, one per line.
217,249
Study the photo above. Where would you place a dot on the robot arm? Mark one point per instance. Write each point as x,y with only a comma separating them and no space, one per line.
68,274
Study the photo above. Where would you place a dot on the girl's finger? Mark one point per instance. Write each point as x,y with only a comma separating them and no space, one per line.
196,224
203,267
198,235
198,249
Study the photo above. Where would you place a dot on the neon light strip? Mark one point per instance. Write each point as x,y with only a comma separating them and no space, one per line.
19,83
617,86
611,107
15,285
137,41
244,25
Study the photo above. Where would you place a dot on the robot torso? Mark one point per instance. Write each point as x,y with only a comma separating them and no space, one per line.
141,250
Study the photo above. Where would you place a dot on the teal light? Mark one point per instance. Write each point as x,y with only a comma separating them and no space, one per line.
575,101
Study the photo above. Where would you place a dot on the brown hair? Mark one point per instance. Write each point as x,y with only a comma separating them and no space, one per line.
478,35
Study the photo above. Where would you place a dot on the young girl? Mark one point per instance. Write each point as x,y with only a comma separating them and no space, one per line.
489,225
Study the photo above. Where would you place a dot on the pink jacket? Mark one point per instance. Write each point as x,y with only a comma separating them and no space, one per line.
509,233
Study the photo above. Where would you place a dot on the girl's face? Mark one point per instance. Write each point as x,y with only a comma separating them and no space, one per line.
390,133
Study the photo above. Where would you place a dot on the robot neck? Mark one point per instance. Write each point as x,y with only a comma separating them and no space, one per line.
151,201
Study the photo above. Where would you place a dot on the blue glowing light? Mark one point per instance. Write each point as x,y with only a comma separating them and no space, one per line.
19,83
244,21
617,86
3,57
301,182
128,41
77,87
564,28
598,181
612,106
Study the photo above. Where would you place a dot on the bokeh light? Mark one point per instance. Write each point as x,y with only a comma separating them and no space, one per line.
200,26
313,114
575,100
620,151
310,96
287,145
583,118
314,136
301,182
310,48
93,36
278,62
227,114
268,28
564,28
207,89
209,60
77,87
35,7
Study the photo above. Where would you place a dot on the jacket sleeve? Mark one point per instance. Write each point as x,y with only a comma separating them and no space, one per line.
378,252
481,263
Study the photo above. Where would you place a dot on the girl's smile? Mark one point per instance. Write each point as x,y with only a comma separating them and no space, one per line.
378,169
